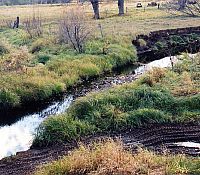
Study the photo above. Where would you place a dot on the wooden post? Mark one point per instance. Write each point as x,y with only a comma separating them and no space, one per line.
17,22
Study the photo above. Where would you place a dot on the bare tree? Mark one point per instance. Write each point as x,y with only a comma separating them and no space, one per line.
33,26
188,7
73,29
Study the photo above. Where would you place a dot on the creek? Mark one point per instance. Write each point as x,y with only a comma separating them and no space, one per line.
18,136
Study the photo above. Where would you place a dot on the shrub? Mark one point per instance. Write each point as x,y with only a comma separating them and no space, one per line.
33,26
73,29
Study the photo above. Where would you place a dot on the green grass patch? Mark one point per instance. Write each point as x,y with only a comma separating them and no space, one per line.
61,128
124,109
42,67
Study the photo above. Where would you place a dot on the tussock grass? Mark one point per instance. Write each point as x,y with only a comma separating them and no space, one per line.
39,44
109,157
62,128
181,81
4,48
111,111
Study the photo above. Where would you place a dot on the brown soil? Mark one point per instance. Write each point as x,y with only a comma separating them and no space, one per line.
170,41
155,137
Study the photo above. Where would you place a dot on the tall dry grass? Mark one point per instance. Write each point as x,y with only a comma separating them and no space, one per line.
110,158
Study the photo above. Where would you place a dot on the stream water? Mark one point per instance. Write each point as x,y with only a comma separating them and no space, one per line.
19,136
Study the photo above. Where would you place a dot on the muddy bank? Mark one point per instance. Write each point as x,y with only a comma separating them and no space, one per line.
164,43
154,137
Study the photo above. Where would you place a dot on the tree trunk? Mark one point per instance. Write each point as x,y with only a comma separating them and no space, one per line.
121,7
95,6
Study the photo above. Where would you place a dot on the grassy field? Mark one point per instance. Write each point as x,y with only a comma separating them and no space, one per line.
135,21
34,68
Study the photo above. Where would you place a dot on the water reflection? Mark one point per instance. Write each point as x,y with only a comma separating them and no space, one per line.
188,144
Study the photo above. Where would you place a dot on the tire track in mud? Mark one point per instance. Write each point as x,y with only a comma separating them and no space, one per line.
157,138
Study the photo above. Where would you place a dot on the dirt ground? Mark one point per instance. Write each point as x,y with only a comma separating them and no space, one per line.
155,137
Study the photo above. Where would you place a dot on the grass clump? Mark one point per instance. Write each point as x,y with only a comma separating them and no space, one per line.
39,44
15,37
61,128
3,48
110,157
191,103
146,116
108,106
43,58
8,99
